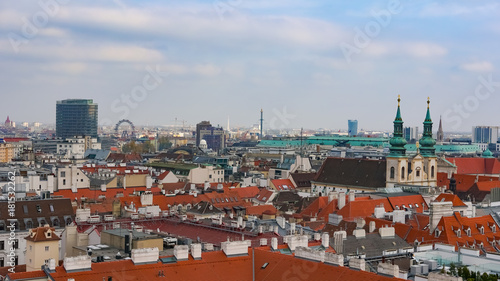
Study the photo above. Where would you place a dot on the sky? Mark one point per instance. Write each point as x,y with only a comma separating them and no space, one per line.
312,64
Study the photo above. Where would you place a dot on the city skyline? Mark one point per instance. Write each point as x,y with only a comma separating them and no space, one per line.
303,62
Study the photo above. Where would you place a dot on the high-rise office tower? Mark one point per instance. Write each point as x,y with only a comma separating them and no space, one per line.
352,126
485,134
76,117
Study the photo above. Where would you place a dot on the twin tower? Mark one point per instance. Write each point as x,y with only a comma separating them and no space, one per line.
420,169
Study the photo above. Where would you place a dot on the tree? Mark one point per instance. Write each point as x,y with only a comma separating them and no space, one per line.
164,143
453,269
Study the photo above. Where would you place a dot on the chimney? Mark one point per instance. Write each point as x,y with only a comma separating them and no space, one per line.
387,232
379,212
352,196
263,242
240,221
439,210
196,251
78,263
335,259
360,223
235,248
181,252
292,228
371,227
145,255
274,243
193,186
52,265
398,216
325,240
388,269
341,200
103,187
358,264
317,236
338,241
359,233
206,185
295,241
332,195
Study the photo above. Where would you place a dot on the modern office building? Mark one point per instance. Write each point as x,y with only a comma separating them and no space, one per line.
352,126
76,117
410,133
214,136
203,125
485,134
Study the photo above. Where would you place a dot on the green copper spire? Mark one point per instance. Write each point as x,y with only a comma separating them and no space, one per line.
427,143
397,141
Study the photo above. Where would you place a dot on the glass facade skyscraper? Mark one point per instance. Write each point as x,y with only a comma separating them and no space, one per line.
76,117
352,126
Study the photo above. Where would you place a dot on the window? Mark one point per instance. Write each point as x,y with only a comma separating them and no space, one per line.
38,208
403,173
2,245
63,174
64,182
25,208
2,226
51,208
46,248
392,172
16,244
29,224
1,262
55,222
432,171
81,180
418,173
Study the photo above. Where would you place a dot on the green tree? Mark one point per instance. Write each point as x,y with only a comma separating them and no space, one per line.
453,269
164,143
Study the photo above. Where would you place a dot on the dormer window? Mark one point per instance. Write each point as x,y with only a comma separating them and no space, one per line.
459,233
494,228
468,231
481,229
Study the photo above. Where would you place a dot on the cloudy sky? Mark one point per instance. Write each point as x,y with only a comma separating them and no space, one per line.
311,64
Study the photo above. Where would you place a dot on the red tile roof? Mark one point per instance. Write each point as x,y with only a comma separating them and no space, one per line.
405,201
39,234
487,185
476,165
464,182
363,208
448,226
283,184
448,197
247,192
264,195
95,193
260,209
216,266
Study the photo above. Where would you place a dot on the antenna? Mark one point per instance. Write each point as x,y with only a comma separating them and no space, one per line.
261,122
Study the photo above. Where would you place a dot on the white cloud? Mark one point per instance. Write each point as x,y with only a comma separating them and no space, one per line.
482,66
425,50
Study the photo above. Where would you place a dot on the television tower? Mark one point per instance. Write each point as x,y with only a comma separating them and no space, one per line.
261,121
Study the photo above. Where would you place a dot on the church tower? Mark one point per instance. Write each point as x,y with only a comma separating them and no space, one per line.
428,150
396,161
